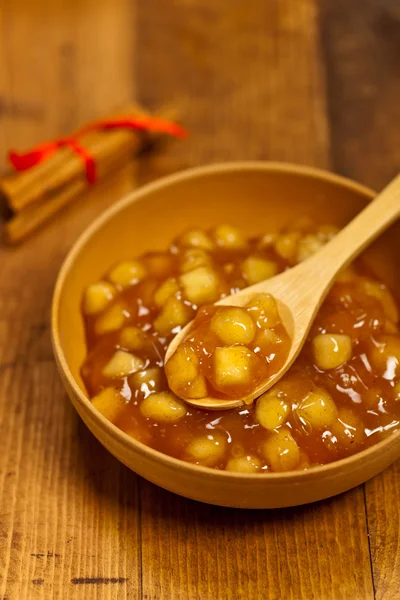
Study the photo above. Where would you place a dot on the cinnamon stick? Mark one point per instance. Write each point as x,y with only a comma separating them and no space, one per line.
64,167
34,216
35,213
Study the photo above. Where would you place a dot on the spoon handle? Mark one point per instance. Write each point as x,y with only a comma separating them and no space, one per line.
360,232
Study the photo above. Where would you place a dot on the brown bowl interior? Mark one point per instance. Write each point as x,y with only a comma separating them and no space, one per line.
256,197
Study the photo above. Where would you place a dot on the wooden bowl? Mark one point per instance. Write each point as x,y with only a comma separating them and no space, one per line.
255,196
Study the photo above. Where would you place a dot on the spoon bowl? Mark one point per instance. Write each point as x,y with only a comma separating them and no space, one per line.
300,291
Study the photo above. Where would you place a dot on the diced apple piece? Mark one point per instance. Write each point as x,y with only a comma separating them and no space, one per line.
167,288
146,290
317,410
206,450
307,246
281,451
243,464
257,269
331,350
381,293
348,429
304,462
196,238
132,427
193,258
159,264
229,238
175,313
127,273
266,342
133,338
200,285
327,232
233,325
384,356
182,367
272,410
112,319
196,389
183,374
263,309
232,366
267,241
109,403
302,224
123,364
286,245
163,406
151,379
97,297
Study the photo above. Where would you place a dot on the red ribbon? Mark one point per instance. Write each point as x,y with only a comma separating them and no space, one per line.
26,160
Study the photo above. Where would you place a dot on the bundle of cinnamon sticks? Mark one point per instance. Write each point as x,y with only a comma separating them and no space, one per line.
37,194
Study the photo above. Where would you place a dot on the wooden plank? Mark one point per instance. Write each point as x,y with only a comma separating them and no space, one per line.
249,73
60,493
61,63
362,50
192,550
383,510
69,512
255,89
69,521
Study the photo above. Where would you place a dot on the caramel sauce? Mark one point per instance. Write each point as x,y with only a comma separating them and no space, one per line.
365,389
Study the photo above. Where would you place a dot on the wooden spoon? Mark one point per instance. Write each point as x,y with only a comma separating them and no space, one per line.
300,291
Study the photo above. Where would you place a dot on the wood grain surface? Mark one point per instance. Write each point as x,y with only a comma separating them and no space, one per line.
307,81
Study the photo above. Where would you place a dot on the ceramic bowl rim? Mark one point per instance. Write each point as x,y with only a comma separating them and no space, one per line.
124,439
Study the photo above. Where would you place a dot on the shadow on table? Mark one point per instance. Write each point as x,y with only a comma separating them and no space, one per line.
107,476
108,479
158,503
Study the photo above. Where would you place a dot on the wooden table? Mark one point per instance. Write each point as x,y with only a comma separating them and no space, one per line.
307,81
